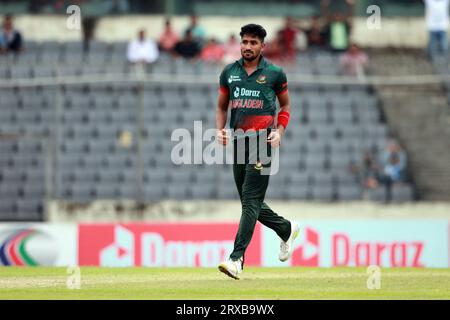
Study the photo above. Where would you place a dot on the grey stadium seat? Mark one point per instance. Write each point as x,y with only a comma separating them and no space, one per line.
402,193
322,192
300,192
203,191
350,192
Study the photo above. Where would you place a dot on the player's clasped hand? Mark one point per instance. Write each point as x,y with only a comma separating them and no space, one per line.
222,137
274,138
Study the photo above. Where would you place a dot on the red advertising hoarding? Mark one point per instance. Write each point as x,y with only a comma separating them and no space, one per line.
162,245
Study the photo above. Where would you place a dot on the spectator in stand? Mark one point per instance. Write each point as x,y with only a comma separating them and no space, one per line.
393,167
168,38
437,18
338,26
187,48
289,36
370,171
366,170
232,50
142,51
315,35
354,62
10,39
212,52
198,32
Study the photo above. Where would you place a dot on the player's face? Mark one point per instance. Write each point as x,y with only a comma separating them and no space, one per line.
251,47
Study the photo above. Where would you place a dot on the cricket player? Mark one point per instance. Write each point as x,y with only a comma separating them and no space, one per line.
250,87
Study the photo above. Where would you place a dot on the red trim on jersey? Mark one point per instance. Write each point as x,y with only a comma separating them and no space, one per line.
282,91
256,122
224,90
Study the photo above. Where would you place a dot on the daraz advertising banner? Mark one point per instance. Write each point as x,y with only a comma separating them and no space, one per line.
321,243
386,243
162,245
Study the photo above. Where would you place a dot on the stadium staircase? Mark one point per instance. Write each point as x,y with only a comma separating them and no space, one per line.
419,116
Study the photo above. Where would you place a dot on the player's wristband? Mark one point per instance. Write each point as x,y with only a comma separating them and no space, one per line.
283,118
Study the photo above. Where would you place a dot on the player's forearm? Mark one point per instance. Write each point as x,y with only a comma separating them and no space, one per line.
285,108
221,118
222,110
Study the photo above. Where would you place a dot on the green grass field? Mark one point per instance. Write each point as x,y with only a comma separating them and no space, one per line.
196,283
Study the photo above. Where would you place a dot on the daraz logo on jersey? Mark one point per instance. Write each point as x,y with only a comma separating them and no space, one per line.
246,103
236,92
246,93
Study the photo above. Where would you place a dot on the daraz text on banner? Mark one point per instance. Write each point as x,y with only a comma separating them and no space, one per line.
161,245
387,243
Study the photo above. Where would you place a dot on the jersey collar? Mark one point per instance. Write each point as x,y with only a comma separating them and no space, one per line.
261,64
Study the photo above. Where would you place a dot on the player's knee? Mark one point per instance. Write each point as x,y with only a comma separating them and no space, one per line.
251,205
251,196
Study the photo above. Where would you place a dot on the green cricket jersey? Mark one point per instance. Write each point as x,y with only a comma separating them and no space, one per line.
253,97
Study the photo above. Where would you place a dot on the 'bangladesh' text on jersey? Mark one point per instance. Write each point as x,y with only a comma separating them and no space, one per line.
253,97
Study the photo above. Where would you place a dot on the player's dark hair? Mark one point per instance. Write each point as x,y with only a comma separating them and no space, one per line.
254,30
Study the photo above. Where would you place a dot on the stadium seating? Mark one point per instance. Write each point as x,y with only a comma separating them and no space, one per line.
108,148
